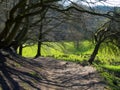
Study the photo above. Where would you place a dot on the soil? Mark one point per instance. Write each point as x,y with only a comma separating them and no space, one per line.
42,73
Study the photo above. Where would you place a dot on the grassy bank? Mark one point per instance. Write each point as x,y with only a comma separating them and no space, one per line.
111,75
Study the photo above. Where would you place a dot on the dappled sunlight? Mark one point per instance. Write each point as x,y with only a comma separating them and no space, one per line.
59,44
48,73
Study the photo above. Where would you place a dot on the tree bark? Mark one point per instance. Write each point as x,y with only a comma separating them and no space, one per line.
39,41
39,49
93,55
20,50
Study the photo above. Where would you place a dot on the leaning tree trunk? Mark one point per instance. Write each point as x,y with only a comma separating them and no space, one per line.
93,55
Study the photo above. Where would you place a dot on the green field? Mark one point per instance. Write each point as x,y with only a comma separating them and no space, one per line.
67,51
62,50
107,60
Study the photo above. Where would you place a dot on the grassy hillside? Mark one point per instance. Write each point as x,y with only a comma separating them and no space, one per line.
62,50
68,51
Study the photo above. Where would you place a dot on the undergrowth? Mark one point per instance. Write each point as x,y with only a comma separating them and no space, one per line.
111,75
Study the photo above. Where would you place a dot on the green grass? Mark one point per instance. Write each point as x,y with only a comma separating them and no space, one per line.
62,50
112,68
48,49
111,75
35,74
67,51
29,51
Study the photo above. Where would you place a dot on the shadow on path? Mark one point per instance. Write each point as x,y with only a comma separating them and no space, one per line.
8,82
54,75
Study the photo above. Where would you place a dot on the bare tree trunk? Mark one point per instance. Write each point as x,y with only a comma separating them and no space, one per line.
39,41
20,49
42,15
93,55
39,49
15,46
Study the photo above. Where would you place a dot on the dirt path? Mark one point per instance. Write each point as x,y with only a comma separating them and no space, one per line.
62,75
48,74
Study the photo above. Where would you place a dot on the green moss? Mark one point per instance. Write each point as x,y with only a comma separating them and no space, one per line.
35,74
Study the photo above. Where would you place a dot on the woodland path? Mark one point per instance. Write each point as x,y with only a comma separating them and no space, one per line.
63,75
48,74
